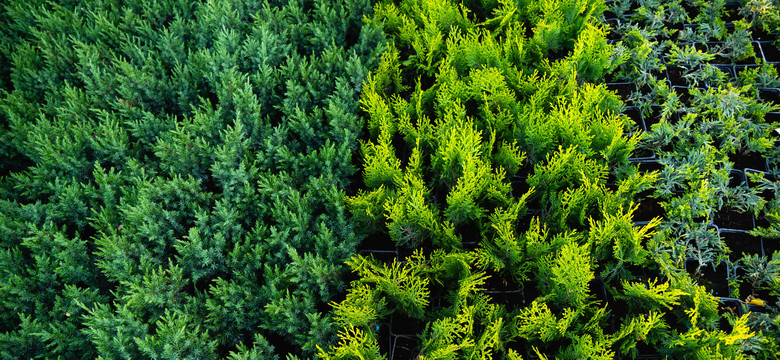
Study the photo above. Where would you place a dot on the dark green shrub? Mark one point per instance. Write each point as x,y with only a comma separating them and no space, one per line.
173,173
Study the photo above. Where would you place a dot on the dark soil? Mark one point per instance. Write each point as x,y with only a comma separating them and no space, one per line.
728,218
675,75
469,233
648,209
751,160
770,51
769,94
758,34
405,348
727,70
740,243
736,178
751,59
771,246
623,89
636,116
403,325
377,242
715,281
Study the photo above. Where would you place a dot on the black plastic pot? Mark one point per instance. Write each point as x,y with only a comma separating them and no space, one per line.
714,280
655,116
748,293
685,93
770,246
635,115
728,305
752,59
728,70
709,47
740,242
766,194
643,155
648,208
402,325
676,74
770,52
383,338
624,89
769,94
758,34
772,117
751,160
405,348
730,218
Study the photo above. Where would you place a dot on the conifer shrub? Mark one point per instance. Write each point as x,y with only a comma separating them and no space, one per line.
463,109
716,121
173,173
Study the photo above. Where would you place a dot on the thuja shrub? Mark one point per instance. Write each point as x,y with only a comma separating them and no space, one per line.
173,174
478,113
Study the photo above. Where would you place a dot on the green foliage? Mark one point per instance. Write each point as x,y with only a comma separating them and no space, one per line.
644,328
465,108
763,14
404,284
173,175
565,278
353,344
761,272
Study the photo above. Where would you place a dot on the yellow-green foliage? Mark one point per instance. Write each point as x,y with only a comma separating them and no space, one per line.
354,344
472,101
405,284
